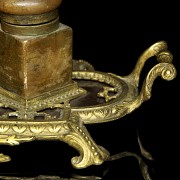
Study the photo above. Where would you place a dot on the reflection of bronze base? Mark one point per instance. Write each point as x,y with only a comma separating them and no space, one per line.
96,98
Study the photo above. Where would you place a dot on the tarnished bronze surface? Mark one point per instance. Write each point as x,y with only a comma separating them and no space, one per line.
31,30
31,65
35,49
30,20
28,7
29,17
29,25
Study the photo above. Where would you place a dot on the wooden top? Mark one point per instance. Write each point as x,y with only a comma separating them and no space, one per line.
28,7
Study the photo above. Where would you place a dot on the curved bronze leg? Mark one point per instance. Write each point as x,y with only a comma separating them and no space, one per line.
90,152
72,132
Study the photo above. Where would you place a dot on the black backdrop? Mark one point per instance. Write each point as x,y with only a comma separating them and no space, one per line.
111,36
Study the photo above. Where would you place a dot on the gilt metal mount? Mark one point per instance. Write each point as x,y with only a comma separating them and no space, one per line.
44,92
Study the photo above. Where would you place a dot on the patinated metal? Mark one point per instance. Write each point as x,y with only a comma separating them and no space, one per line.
44,92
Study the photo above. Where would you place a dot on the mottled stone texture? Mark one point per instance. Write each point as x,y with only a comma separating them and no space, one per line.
32,65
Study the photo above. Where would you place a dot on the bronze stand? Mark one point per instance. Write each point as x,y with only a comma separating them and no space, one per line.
44,92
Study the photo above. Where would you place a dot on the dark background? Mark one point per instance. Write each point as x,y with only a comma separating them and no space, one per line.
111,36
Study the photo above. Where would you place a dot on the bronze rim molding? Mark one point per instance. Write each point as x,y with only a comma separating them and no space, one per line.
29,17
28,7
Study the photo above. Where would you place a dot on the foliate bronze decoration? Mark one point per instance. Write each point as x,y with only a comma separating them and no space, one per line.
126,96
54,105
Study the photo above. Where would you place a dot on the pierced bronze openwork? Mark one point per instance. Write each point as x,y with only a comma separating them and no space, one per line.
44,92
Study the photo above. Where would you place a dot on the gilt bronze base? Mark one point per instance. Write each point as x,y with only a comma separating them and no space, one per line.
47,95
92,97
